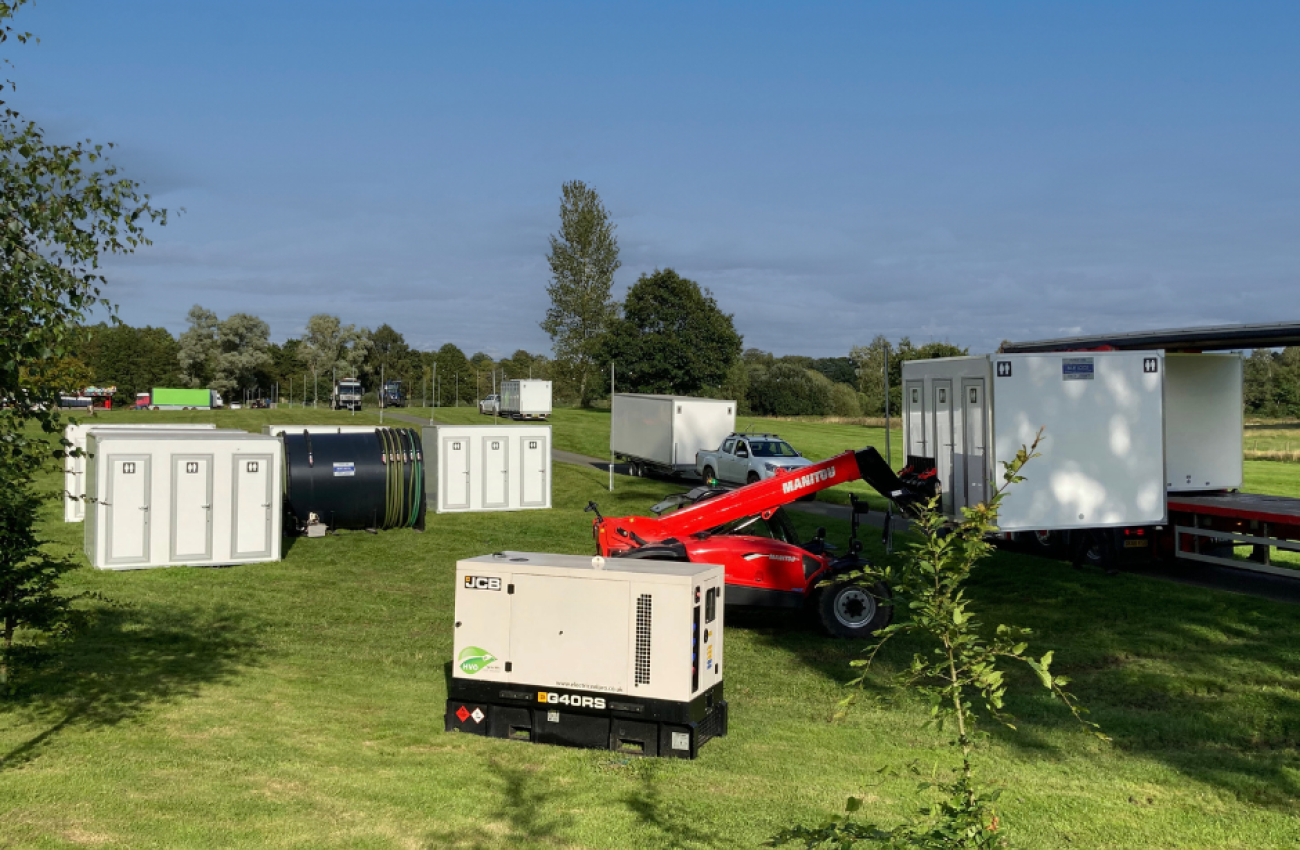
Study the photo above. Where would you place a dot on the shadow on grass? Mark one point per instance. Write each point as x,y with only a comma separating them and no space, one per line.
125,661
529,811
1202,680
671,825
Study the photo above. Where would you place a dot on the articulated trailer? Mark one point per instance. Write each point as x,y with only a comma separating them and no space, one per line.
1141,452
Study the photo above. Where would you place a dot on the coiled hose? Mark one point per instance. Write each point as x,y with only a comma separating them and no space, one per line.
404,477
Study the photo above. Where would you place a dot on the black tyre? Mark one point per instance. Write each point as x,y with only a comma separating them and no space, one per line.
709,474
855,609
1094,549
752,478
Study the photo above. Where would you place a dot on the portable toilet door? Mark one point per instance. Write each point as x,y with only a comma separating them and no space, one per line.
454,471
496,472
944,443
534,465
252,508
126,503
191,508
974,441
914,395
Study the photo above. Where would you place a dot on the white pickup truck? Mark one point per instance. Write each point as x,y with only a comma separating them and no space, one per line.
746,458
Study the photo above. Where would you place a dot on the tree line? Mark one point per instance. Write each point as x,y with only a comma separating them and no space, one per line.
236,357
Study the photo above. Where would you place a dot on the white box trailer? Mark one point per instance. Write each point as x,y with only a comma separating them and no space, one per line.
74,468
662,433
197,498
621,653
487,467
277,430
526,399
1102,415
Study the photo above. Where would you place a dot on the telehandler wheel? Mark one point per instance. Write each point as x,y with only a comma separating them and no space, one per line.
855,609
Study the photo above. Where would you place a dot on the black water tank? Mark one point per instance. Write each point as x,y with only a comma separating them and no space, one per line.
348,479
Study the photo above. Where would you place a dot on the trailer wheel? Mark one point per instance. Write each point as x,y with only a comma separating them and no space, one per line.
855,609
1094,548
635,470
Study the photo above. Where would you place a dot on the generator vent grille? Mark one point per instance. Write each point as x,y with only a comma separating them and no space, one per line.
643,639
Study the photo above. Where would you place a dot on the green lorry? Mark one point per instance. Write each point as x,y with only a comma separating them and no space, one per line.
167,398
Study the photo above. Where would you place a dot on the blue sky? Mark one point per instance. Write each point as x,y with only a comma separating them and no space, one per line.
949,171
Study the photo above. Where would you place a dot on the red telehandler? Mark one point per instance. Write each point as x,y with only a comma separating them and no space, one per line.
746,532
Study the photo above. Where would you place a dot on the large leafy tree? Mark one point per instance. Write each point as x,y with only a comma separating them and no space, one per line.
133,359
869,361
200,347
329,344
672,338
583,259
63,207
456,381
244,341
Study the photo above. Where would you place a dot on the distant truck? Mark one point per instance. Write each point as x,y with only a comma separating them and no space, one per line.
346,394
663,433
746,458
169,398
526,399
392,395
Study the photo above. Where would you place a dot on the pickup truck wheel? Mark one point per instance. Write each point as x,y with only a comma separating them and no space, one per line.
709,474
752,479
855,609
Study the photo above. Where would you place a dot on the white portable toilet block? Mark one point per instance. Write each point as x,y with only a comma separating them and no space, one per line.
277,430
74,468
200,498
487,467
1102,458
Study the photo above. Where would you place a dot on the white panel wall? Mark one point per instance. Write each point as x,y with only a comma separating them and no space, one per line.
641,426
149,506
1203,422
1102,452
700,425
74,468
487,467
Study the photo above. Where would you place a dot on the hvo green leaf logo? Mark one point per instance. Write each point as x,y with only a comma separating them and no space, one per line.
473,659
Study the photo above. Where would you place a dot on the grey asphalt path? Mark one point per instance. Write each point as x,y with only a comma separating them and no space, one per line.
1209,576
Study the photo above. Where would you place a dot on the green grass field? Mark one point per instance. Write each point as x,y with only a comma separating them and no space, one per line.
299,704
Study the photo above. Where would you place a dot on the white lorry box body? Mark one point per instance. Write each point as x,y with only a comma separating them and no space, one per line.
74,468
526,399
588,651
1102,458
666,431
487,467
1203,422
277,430
195,498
